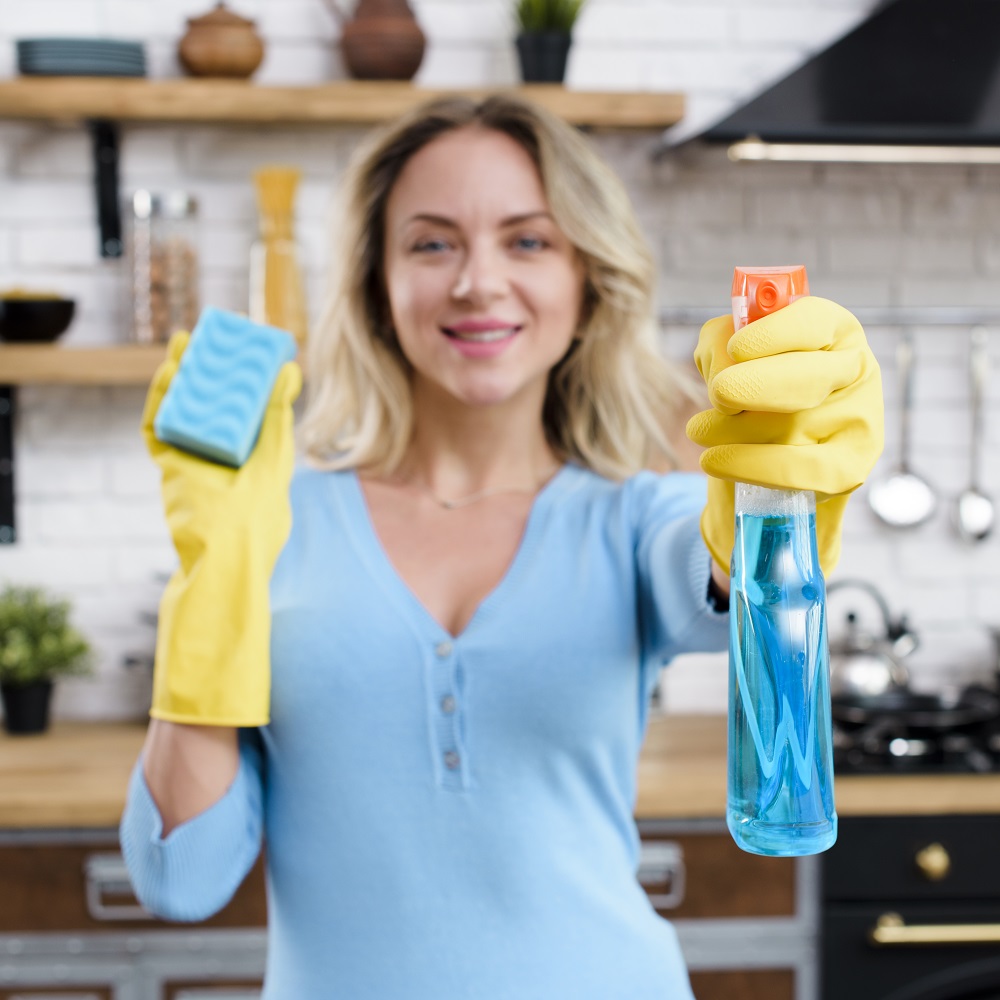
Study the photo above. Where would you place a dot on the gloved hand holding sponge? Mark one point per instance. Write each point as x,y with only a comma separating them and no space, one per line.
228,522
796,404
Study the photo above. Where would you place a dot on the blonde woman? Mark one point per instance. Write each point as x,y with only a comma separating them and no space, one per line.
419,666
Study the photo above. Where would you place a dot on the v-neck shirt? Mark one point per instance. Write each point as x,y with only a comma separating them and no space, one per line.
381,565
451,817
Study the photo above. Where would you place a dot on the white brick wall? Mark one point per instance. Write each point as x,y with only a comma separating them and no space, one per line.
88,511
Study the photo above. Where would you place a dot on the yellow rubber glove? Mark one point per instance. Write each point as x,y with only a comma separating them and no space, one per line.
797,404
213,658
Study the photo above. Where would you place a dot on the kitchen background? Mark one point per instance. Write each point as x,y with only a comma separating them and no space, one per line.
883,237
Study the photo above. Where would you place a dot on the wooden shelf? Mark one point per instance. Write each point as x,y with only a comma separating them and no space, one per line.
128,364
74,99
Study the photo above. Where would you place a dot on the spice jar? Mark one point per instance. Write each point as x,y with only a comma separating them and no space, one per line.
163,265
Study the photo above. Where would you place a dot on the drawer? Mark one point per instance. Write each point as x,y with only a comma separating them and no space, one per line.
707,875
212,990
60,992
57,887
913,857
755,984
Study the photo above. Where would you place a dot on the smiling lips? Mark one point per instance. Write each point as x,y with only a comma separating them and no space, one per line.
481,331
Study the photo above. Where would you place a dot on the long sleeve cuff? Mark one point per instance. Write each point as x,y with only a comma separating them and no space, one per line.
195,870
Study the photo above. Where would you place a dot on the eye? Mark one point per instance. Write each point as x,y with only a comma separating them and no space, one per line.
530,243
430,244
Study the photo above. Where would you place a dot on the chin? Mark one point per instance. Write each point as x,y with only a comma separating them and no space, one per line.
481,397
484,392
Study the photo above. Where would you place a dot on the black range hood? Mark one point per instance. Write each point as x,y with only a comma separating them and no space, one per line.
917,73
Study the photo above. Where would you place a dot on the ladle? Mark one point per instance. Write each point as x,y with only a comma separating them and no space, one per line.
974,511
903,499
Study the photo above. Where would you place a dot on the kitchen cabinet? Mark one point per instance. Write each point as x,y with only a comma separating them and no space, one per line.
750,927
747,924
231,990
57,991
67,906
759,984
71,929
910,908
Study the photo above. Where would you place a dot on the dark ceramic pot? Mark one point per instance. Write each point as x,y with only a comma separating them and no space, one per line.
543,55
26,707
383,41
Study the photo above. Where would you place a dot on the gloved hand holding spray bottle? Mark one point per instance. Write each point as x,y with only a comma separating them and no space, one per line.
796,405
780,787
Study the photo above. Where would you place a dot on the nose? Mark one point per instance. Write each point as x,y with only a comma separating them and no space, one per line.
482,276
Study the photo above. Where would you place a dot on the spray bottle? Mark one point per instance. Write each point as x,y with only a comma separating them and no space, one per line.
780,794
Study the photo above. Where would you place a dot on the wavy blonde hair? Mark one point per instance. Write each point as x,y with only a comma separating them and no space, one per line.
611,399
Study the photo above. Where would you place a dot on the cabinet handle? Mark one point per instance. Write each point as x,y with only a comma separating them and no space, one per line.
661,862
933,861
891,929
106,875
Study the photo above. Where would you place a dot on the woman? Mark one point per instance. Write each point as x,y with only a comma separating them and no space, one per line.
449,656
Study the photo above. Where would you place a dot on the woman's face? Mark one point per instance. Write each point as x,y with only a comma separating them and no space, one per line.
485,290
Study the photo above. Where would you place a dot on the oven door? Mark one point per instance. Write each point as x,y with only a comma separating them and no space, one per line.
913,951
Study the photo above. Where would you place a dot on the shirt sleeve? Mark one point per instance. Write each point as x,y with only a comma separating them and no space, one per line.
673,567
194,871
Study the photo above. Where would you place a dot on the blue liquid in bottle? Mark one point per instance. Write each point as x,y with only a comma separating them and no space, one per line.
780,799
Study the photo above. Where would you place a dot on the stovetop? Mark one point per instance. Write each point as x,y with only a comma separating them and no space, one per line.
887,746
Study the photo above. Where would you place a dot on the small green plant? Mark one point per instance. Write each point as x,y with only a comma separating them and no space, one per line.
547,15
37,641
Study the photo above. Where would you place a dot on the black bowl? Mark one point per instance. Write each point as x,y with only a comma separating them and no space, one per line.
34,321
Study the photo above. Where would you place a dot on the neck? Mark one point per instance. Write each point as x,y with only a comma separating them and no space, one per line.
458,450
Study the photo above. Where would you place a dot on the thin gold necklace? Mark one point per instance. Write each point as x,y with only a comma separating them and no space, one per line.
483,494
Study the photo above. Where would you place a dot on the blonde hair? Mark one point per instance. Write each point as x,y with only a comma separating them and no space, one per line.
610,399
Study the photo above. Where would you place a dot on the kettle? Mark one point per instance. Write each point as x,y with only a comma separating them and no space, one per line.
868,665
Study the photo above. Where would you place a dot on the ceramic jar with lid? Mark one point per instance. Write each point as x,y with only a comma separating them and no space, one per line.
221,43
381,40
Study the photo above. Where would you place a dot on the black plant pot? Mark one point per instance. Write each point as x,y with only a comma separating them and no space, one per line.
26,706
543,55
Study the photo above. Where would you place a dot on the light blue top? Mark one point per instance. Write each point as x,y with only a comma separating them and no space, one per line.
451,818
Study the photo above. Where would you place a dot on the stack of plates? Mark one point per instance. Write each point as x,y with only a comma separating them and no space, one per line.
80,57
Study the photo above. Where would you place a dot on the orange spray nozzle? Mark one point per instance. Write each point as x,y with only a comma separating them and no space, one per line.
758,291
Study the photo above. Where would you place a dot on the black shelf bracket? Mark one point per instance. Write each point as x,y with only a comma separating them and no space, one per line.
105,137
8,535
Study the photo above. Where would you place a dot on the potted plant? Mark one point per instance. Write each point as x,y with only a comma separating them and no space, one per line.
37,645
545,31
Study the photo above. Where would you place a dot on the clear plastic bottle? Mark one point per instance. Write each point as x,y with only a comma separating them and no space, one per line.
780,794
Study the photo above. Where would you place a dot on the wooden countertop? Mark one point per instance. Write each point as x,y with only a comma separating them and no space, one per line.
75,776
682,773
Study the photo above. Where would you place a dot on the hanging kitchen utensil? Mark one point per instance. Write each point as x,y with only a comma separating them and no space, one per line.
903,499
974,511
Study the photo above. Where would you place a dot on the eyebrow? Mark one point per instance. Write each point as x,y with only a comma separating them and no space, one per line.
510,220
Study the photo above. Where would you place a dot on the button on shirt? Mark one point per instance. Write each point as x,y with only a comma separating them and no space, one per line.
452,816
